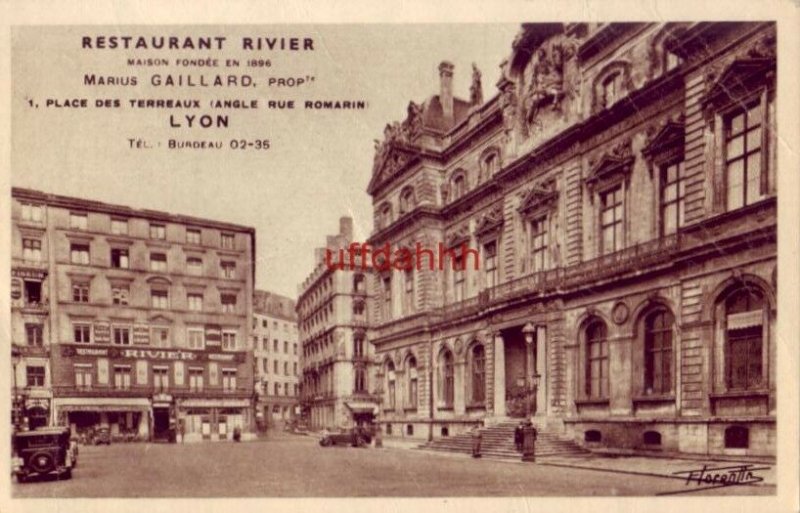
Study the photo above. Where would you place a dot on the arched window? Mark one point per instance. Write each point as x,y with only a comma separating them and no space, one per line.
737,437
744,316
411,371
459,185
478,374
596,360
390,385
658,352
360,384
358,346
407,200
447,376
359,283
385,215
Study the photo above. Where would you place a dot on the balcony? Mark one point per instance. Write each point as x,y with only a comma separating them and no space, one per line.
148,391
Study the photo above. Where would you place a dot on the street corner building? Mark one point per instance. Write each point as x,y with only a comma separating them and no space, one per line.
337,389
132,320
276,359
620,187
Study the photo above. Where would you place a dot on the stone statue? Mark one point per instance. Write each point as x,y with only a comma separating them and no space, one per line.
547,83
413,122
476,89
508,104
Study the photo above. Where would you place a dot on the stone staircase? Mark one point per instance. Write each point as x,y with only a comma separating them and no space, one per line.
498,442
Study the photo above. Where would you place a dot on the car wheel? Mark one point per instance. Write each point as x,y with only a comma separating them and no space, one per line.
42,462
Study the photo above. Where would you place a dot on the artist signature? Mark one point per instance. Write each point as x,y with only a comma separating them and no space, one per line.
707,477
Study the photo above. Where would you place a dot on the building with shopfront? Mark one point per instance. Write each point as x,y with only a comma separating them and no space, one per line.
337,389
133,320
619,187
276,358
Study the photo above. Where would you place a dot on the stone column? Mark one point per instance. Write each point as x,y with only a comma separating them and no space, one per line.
459,385
542,406
499,375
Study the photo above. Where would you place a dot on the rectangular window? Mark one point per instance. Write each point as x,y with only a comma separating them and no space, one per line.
78,221
458,278
80,292
158,231
83,376
294,349
120,259
275,346
194,266
265,344
161,378
31,212
159,337
228,303
119,227
122,377
158,262
286,347
264,323
122,335
611,216
229,340
79,254
227,269
34,333
275,366
32,250
408,303
490,264
35,375
285,368
33,293
673,198
192,236
81,333
195,302
196,380
294,368
195,338
229,379
277,392
387,297
159,299
265,365
743,132
120,294
539,244
227,240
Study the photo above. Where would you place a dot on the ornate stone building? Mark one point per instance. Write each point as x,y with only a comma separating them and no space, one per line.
336,355
133,320
621,190
276,355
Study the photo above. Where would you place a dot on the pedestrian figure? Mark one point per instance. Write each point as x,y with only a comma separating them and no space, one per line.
518,437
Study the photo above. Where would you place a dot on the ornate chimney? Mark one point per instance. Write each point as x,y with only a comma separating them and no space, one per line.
446,90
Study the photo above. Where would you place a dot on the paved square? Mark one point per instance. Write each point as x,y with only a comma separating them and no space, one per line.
295,466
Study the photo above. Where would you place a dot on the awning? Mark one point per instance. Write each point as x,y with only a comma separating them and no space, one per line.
101,404
362,407
744,320
215,403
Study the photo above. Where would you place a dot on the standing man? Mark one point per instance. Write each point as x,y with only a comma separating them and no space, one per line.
518,437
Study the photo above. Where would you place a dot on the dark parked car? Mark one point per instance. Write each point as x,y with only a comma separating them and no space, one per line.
101,436
42,452
356,437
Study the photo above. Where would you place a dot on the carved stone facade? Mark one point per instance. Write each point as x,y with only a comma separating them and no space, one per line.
620,221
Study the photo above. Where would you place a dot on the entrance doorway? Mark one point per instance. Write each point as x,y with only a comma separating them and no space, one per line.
161,424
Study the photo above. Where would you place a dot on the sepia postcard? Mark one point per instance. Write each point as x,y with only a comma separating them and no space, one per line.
331,254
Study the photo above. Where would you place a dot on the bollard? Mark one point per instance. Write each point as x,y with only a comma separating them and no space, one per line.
378,439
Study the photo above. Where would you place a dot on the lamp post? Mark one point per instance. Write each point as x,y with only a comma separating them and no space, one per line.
531,386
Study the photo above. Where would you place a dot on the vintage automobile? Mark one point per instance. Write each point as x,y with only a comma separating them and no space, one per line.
356,437
101,436
44,451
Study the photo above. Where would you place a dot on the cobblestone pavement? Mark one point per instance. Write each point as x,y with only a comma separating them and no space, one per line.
295,466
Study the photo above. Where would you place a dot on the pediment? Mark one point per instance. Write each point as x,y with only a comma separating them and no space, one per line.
537,198
612,164
388,162
160,319
670,135
738,79
458,237
489,223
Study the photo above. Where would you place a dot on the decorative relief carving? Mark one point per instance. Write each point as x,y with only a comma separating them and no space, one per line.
540,196
458,236
620,312
490,222
610,164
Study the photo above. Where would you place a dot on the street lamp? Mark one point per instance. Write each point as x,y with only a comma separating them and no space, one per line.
531,386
